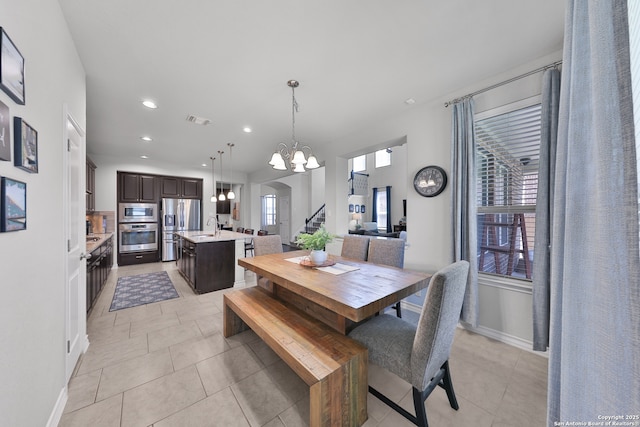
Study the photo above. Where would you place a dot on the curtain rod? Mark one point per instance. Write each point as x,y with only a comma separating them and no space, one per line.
537,70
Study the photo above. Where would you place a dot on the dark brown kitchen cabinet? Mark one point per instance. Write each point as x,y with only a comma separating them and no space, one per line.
136,188
98,268
91,186
223,207
191,188
175,187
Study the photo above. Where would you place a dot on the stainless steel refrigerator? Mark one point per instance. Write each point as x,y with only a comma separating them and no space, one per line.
177,215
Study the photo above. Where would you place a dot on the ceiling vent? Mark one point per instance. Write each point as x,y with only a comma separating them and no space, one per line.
198,120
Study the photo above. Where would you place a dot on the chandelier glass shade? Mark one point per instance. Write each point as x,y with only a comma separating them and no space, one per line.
293,154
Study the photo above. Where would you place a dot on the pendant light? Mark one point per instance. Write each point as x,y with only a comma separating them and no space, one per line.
213,182
231,195
221,197
294,154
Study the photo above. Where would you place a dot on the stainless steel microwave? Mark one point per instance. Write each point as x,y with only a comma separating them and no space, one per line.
138,212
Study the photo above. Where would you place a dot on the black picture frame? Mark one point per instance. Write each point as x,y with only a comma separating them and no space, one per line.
11,69
25,146
13,205
361,208
350,207
5,133
357,208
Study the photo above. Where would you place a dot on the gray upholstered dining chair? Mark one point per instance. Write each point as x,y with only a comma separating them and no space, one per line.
355,247
265,245
388,251
419,354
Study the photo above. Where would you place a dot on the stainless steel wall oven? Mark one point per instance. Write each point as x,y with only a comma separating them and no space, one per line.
137,237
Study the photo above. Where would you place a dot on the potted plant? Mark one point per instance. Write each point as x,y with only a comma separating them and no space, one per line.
316,242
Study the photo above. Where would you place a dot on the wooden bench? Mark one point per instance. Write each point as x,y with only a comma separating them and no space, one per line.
333,365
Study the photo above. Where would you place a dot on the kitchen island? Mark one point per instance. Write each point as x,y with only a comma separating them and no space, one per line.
208,261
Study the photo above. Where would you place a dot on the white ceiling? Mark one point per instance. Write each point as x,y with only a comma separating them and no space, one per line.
228,61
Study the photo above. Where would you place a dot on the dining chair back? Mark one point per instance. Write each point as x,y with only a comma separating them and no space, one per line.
419,354
355,247
240,230
262,232
265,245
388,251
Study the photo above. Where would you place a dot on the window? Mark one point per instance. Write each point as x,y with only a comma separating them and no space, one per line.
360,163
381,207
507,156
268,210
383,158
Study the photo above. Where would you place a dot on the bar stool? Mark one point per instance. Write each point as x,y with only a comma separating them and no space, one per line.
248,243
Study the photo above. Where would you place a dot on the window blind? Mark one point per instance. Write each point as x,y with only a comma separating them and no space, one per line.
507,160
507,156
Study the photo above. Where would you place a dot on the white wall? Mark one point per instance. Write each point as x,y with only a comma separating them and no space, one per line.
504,313
394,175
32,336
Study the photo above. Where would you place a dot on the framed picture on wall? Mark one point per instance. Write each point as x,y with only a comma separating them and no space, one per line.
11,69
357,208
13,205
5,129
351,208
25,145
361,208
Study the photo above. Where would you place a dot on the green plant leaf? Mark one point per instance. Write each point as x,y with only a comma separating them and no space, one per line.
316,241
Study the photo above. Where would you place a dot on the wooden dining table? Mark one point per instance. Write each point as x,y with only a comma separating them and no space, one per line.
359,291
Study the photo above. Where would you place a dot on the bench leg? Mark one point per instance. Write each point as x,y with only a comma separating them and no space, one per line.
231,323
341,398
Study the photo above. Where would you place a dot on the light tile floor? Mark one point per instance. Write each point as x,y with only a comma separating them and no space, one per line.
167,364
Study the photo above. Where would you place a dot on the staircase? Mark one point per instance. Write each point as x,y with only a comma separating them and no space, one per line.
311,225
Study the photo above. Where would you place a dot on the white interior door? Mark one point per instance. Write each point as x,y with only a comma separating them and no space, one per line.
283,215
75,189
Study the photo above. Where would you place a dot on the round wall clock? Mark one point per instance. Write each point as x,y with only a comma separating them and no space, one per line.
430,181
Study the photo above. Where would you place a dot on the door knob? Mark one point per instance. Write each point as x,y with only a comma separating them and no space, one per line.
85,256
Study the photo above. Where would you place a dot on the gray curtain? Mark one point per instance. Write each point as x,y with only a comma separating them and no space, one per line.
463,202
374,207
594,336
546,171
389,228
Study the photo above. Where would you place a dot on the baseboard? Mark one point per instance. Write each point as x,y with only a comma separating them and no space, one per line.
58,409
505,338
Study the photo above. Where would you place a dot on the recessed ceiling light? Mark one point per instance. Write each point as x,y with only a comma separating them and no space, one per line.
410,101
149,104
146,138
144,157
204,165
247,129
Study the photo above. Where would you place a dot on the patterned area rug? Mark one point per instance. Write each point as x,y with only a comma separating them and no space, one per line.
142,289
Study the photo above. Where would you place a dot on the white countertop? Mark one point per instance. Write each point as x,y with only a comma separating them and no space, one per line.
208,236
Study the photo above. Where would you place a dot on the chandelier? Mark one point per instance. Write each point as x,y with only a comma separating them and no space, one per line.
295,154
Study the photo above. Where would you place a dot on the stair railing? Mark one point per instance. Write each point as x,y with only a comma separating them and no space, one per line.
313,217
